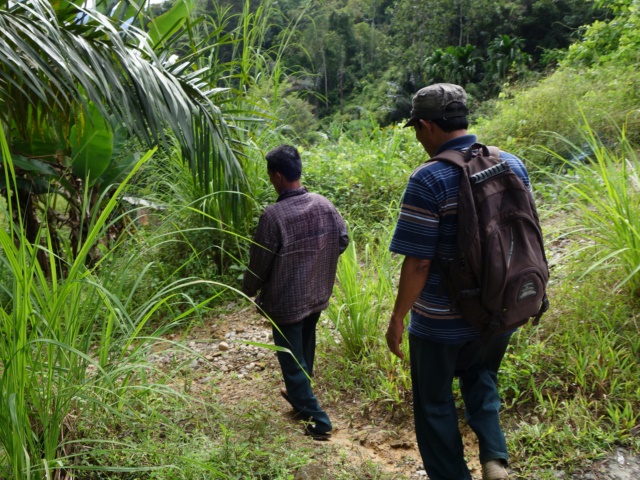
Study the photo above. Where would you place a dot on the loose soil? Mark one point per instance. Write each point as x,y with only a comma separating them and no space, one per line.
385,443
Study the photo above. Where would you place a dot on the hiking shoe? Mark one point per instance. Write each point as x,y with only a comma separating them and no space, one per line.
315,434
494,470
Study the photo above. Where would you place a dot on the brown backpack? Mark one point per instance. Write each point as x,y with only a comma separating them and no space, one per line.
498,278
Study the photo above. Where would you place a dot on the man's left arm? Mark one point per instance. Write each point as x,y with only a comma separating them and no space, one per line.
343,241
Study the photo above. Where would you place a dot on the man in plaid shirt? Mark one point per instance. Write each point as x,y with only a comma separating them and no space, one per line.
293,263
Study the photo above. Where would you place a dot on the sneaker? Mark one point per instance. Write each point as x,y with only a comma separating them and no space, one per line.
494,470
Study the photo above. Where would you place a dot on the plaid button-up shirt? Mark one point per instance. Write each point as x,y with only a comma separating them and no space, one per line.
294,256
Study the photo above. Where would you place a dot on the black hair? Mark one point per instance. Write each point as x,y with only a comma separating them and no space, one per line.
454,123
285,160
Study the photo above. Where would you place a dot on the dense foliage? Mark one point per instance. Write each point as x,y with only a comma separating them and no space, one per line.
357,59
79,393
76,84
597,81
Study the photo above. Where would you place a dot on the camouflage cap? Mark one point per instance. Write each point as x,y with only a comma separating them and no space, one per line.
435,102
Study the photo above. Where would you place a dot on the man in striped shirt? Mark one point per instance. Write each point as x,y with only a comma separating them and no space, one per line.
442,344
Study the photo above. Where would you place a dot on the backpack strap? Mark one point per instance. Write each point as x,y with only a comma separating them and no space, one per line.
543,309
461,159
486,151
454,157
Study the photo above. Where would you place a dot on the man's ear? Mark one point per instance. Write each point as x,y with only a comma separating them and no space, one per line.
425,124
277,180
430,126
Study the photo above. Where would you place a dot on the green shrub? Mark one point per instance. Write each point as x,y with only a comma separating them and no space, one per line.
569,386
364,175
614,42
521,121
359,313
72,347
64,348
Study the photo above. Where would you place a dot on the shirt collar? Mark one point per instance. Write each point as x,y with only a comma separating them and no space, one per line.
292,193
458,143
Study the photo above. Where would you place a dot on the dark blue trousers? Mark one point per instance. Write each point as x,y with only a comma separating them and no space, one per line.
300,338
433,368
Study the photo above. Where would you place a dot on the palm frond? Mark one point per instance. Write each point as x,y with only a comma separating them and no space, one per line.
59,60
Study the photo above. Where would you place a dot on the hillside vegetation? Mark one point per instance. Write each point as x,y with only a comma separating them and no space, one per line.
101,273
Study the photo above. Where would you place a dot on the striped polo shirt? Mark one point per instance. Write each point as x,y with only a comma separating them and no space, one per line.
426,228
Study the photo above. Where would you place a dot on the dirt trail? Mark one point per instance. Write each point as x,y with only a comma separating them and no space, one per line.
242,372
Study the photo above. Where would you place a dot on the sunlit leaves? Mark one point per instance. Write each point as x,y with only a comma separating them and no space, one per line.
170,22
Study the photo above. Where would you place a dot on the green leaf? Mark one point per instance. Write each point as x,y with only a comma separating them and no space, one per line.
123,10
37,138
34,185
33,165
61,65
120,137
91,140
169,22
117,171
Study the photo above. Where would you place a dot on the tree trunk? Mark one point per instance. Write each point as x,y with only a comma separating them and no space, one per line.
24,210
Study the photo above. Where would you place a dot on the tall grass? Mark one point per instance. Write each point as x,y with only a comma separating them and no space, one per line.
361,303
195,219
364,175
606,190
69,348
570,386
359,313
608,95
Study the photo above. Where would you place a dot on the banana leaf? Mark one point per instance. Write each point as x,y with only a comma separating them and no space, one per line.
91,140
163,27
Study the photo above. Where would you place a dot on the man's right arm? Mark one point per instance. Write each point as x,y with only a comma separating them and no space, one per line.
413,277
261,255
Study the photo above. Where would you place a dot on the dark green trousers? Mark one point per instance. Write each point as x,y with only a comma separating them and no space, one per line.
433,368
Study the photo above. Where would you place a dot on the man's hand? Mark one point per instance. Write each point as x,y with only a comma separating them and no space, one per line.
394,336
413,277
